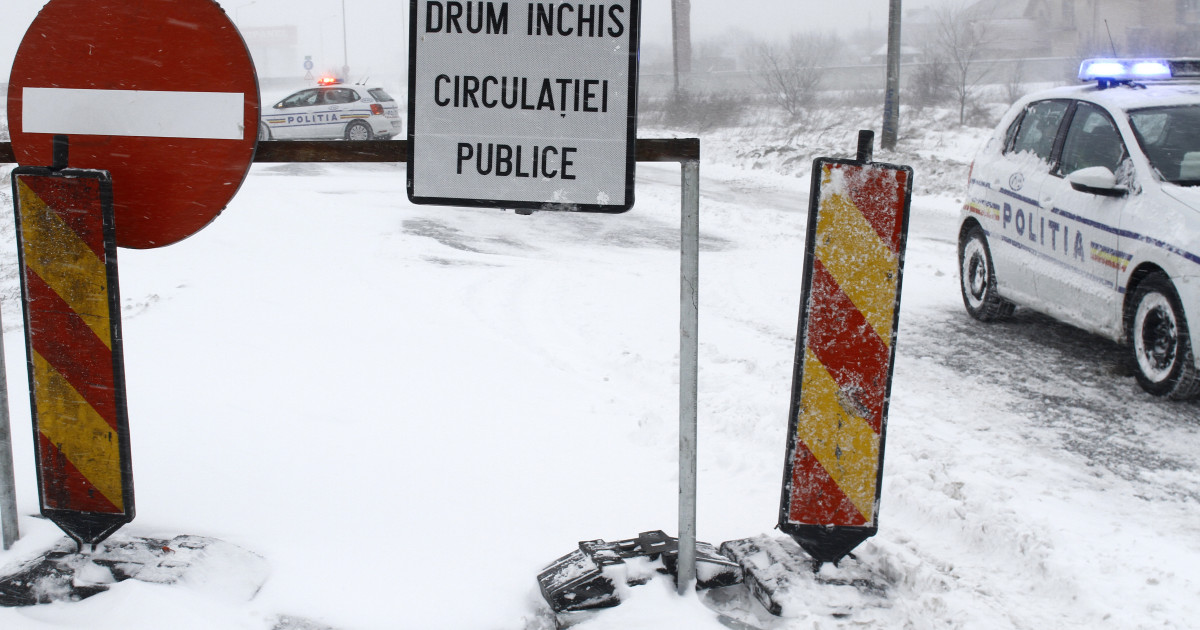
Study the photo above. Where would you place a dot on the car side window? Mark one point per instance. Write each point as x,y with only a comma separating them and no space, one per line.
303,98
1038,128
1092,140
339,96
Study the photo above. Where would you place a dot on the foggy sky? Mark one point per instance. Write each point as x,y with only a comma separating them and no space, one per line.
377,29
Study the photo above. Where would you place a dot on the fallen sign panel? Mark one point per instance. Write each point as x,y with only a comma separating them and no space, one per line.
584,579
845,348
72,307
530,108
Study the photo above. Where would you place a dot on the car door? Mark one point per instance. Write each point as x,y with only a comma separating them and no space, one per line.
338,108
1014,181
1081,231
289,118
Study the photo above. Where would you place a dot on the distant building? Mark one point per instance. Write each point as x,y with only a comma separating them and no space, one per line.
274,50
1065,28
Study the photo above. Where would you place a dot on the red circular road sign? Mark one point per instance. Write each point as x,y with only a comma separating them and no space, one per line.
160,93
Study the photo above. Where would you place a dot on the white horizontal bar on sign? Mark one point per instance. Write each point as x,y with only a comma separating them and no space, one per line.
142,113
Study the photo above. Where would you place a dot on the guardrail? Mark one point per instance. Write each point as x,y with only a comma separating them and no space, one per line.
648,150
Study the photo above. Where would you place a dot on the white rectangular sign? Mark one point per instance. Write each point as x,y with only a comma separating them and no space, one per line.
206,115
527,104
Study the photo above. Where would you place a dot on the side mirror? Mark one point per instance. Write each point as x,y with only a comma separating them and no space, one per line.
1097,180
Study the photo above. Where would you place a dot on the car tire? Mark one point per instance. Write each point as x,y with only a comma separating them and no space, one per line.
358,130
978,278
264,132
1159,340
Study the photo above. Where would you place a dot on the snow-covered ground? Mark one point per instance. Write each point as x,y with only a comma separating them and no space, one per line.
408,411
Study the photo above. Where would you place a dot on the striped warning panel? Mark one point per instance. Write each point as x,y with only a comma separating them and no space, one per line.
72,323
845,347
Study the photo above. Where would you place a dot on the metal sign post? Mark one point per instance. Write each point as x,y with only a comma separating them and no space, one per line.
533,107
845,349
9,532
689,370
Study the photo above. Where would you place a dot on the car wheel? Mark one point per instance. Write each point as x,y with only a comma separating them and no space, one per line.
978,278
264,132
358,130
1162,348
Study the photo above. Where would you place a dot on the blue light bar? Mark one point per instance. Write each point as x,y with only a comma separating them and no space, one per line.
1112,70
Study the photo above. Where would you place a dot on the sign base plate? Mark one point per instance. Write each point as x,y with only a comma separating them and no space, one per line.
788,582
67,575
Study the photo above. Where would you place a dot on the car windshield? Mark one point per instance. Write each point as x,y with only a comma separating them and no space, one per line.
1170,137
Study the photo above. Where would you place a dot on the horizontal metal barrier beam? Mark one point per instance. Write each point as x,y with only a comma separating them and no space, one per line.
648,150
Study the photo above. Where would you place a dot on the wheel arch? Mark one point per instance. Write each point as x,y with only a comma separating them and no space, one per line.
1136,277
967,224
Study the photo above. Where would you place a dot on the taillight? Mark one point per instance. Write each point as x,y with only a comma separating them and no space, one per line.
377,109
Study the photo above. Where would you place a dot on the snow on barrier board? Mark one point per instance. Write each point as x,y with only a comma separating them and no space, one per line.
845,347
67,248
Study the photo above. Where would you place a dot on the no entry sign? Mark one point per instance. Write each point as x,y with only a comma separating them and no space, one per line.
160,93
845,348
72,314
523,104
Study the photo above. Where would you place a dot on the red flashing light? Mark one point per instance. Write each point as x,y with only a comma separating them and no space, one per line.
327,81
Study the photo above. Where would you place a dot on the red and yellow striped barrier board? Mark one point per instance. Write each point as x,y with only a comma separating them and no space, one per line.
854,259
72,313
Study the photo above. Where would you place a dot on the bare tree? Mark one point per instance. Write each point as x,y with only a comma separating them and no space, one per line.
959,40
1014,87
791,73
929,83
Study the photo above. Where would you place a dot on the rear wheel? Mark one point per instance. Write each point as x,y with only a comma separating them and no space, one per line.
978,278
358,130
264,132
1162,348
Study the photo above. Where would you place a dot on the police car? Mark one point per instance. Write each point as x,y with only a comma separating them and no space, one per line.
1084,204
332,111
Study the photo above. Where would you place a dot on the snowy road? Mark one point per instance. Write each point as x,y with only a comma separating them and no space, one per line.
410,410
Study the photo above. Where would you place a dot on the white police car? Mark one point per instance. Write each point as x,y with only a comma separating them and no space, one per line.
1085,205
332,111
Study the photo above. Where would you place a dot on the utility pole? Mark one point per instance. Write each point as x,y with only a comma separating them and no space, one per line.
891,96
681,29
345,56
